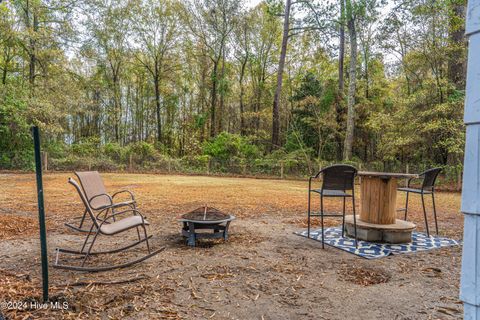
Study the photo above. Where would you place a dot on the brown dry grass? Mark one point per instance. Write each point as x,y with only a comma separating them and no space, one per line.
169,196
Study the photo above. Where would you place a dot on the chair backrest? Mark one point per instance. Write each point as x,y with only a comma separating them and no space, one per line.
338,177
84,200
92,185
429,177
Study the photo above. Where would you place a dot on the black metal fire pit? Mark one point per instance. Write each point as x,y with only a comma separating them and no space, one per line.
205,218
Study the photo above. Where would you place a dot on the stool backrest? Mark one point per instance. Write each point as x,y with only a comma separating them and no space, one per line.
429,177
338,177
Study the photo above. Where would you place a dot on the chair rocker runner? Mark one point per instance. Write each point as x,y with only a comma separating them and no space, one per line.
337,180
98,198
107,226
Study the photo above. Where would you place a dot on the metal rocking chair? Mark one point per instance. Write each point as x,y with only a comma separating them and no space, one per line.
337,180
428,187
96,193
103,224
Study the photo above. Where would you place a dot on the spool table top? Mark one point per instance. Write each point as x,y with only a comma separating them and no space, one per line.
386,175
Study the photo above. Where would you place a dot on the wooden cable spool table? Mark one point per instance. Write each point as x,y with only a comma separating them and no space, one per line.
377,221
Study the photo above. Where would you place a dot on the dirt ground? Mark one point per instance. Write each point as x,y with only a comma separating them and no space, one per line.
264,271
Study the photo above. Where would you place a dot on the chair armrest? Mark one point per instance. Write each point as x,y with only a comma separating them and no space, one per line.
97,196
417,176
310,182
135,212
124,191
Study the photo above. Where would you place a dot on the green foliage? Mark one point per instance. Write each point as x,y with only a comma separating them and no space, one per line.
115,152
16,145
313,127
86,147
226,147
142,151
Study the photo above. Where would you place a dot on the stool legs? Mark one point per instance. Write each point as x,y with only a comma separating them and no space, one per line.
354,220
343,218
425,215
434,212
406,206
321,218
308,232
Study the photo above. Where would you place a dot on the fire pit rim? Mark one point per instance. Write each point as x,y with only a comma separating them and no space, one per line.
228,217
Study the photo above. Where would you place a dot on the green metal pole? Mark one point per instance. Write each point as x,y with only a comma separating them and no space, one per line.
41,212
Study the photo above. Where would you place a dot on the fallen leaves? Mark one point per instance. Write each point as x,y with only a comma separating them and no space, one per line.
363,275
14,227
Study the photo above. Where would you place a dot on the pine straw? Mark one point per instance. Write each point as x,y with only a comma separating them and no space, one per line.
314,222
17,226
85,302
245,238
16,287
218,273
362,275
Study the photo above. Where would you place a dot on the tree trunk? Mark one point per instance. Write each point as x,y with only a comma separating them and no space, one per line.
222,93
341,53
366,57
278,91
341,80
213,99
242,94
203,100
347,148
32,43
116,106
5,69
157,105
456,34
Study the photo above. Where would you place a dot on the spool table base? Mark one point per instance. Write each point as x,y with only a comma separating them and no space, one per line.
399,232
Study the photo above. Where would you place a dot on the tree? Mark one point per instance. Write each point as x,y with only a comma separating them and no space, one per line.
211,22
242,54
107,23
341,47
352,80
281,65
456,37
156,30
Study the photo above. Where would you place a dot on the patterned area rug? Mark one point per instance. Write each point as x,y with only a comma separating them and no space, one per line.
369,250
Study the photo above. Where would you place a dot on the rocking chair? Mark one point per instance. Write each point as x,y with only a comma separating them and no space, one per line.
107,226
98,198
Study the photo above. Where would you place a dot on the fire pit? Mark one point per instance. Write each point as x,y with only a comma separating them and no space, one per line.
205,218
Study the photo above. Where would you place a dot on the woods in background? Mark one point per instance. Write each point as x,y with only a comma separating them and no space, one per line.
114,84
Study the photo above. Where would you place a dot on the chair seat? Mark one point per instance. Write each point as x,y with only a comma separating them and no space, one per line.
122,225
332,193
414,190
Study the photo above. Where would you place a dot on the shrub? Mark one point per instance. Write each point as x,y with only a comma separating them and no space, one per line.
142,151
86,147
16,143
72,162
226,147
115,152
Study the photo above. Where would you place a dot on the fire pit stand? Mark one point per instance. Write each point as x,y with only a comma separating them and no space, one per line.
205,218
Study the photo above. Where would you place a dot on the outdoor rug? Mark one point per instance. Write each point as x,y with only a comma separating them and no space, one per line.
369,250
